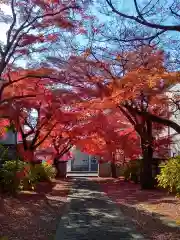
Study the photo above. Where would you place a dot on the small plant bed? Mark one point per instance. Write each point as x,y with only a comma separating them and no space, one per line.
156,213
33,214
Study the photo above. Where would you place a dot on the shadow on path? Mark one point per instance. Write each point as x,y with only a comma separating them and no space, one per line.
154,223
93,216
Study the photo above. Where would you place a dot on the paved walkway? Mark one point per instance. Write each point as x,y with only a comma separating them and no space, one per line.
93,216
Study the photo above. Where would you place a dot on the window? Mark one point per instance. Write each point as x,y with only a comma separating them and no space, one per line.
93,160
85,160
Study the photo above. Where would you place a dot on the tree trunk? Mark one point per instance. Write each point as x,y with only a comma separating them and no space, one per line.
113,170
146,177
55,163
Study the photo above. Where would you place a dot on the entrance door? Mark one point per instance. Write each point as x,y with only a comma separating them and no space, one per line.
83,162
82,165
94,164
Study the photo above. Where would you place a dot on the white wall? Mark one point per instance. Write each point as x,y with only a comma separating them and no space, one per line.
79,157
175,147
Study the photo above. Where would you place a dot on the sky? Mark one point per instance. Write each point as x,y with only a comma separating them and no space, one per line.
4,27
125,6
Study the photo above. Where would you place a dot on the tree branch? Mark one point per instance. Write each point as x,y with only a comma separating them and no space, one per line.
143,21
157,119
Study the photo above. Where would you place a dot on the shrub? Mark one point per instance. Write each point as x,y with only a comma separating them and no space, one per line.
3,154
37,173
42,172
21,175
132,171
126,172
49,170
169,176
8,175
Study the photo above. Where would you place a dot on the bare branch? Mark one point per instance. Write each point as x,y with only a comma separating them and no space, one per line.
143,21
13,23
174,13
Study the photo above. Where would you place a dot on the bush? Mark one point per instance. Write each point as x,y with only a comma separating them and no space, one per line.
132,171
126,172
37,173
169,176
3,154
8,175
42,172
15,175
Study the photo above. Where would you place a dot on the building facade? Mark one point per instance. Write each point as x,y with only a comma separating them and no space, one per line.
174,147
82,162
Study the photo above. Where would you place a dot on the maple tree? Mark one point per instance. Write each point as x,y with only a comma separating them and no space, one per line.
37,118
34,28
58,141
138,93
56,147
142,22
29,26
106,135
136,89
113,97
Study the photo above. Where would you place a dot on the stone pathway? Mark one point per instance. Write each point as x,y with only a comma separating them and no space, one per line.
93,216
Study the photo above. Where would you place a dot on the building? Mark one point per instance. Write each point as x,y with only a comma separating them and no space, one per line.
82,163
174,148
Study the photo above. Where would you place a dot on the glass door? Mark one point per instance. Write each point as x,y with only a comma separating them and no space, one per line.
94,164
